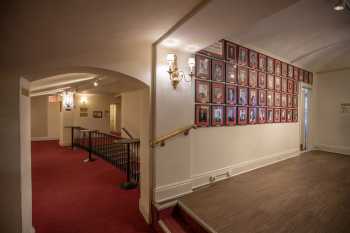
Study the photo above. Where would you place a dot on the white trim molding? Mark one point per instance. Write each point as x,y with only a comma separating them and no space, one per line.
334,149
34,139
178,189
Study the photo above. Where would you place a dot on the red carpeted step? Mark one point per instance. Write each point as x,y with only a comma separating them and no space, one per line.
173,225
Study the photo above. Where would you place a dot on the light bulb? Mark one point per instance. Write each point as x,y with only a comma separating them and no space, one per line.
95,83
171,57
339,6
191,62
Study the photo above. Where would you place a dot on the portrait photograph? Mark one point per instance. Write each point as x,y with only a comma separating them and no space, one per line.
243,56
270,65
242,76
253,59
278,83
284,69
231,115
270,98
270,82
278,68
217,115
283,115
262,62
289,115
231,95
301,75
202,91
262,80
290,86
231,73
242,115
203,67
252,116
295,88
262,97
218,71
295,101
97,114
231,52
284,100
290,71
284,85
261,115
277,99
269,115
306,76
242,96
289,101
202,115
253,78
277,115
253,97
295,115
311,78
296,73
217,93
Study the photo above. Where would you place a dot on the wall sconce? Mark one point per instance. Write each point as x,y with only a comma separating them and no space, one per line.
177,75
68,99
83,99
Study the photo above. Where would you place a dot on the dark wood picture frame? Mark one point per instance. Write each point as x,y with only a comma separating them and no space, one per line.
295,101
283,115
278,68
284,69
278,84
269,115
296,73
295,115
231,73
262,80
242,56
278,99
218,71
202,115
231,94
290,71
202,91
242,77
270,82
253,97
262,62
231,52
242,115
262,97
277,115
231,115
242,96
290,86
252,115
253,59
261,115
284,100
289,115
253,78
218,93
289,101
217,115
203,67
284,85
270,98
270,65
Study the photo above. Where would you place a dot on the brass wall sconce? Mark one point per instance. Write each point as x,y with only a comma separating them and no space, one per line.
177,75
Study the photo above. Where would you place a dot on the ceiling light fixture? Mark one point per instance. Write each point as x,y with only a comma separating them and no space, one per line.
95,83
339,6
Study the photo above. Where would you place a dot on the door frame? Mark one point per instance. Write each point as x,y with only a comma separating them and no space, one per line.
305,142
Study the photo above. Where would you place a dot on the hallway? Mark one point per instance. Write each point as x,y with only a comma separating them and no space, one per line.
70,196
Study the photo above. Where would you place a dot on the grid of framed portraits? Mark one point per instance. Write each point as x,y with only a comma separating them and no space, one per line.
245,87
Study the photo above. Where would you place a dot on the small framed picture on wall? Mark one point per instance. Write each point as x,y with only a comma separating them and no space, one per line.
277,99
289,101
290,86
270,82
262,62
295,115
231,95
290,71
270,98
262,115
278,68
253,78
284,85
231,52
242,96
296,73
253,59
202,91
252,116
231,73
283,115
217,115
296,87
203,67
295,101
231,115
243,56
218,93
253,97
262,80
218,71
262,98
242,76
284,100
270,65
278,83
202,115
284,69
269,115
277,115
242,115
301,75
289,115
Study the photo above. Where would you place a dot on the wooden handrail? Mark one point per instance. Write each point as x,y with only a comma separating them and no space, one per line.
161,140
128,133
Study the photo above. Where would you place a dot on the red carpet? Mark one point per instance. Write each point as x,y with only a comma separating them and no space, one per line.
70,196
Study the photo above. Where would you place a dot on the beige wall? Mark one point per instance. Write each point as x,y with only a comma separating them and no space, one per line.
53,119
39,116
333,133
130,112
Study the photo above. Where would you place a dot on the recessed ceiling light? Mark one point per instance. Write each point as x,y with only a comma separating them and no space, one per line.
95,83
339,6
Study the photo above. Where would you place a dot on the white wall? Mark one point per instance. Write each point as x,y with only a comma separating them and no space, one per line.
130,112
188,162
53,119
333,133
39,116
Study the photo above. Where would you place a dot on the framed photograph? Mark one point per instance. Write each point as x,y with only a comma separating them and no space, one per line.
270,65
215,50
290,71
242,115
283,115
278,68
284,70
306,77
295,115
296,73
262,80
218,93
290,86
203,67
295,101
253,78
231,73
277,115
231,52
289,115
218,71
231,115
270,82
261,115
284,100
262,62
284,85
97,114
217,115
242,96
262,98
311,78
253,59
301,75
202,115
277,99
231,95
242,56
252,116
278,83
84,109
253,97
269,115
84,114
289,101
242,76
270,98
202,91
296,87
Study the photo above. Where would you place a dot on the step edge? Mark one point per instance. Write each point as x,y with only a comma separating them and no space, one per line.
163,226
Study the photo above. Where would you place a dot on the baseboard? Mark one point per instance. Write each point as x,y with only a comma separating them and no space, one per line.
334,149
43,138
178,189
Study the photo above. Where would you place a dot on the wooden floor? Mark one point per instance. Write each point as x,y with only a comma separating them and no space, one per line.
308,193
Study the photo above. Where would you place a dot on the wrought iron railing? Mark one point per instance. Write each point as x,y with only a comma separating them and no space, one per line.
121,153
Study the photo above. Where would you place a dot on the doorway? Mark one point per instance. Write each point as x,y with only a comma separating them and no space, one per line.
305,118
